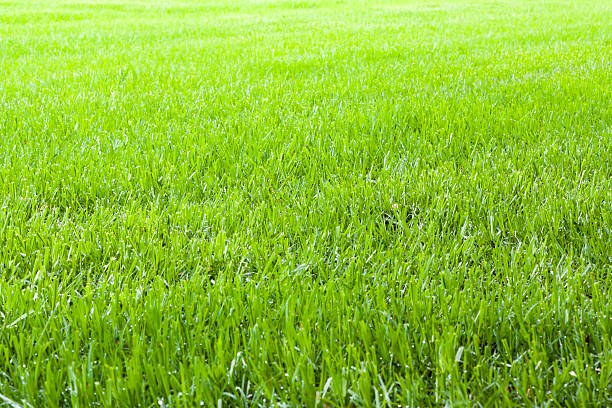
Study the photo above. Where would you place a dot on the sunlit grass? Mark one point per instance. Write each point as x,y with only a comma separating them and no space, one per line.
305,203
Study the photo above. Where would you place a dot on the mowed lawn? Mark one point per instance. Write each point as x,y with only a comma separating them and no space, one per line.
305,203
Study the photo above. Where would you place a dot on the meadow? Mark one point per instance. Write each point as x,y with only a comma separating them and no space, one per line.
208,203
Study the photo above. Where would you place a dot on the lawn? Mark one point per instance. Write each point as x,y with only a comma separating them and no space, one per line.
305,203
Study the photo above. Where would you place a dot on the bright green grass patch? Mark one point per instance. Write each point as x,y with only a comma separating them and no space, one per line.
303,203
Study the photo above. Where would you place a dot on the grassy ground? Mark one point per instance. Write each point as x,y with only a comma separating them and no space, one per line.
303,203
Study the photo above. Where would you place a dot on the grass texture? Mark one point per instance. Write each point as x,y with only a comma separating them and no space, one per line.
305,203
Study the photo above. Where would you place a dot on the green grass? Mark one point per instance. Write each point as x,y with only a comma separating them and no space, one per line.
305,203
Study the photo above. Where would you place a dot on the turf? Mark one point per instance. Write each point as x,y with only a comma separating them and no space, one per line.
305,203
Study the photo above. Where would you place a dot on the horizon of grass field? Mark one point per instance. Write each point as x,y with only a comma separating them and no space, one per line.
305,203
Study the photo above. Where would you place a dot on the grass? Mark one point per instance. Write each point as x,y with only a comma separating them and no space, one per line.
305,203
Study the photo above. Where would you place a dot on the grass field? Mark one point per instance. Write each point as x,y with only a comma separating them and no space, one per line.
305,203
